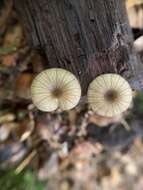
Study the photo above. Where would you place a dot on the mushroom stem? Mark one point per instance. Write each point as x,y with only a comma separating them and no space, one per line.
57,93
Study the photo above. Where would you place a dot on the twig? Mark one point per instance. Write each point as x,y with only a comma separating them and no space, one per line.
26,161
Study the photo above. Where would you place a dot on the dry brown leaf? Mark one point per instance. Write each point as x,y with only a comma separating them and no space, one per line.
104,121
9,60
85,150
6,129
13,37
7,118
23,83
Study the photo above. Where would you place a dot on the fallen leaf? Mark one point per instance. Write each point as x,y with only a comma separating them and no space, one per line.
13,37
23,84
9,60
7,118
103,121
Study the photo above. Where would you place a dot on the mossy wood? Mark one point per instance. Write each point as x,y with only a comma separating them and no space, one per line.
86,37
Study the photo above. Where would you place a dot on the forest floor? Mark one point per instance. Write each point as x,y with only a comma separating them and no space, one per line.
72,150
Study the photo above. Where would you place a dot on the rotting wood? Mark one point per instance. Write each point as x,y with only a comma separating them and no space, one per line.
86,37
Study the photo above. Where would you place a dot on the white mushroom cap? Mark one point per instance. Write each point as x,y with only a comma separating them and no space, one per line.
138,44
109,95
55,88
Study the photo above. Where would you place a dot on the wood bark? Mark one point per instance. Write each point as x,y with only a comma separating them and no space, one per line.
86,37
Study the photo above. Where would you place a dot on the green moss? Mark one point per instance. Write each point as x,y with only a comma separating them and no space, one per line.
9,180
7,50
138,103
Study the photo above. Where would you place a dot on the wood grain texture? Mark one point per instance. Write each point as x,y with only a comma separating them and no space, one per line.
86,37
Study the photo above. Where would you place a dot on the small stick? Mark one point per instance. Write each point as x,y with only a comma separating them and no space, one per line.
26,161
125,124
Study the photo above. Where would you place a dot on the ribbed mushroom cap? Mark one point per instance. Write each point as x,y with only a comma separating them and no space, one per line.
55,88
109,95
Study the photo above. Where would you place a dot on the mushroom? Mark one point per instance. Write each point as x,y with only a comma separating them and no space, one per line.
109,95
138,44
55,88
135,13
